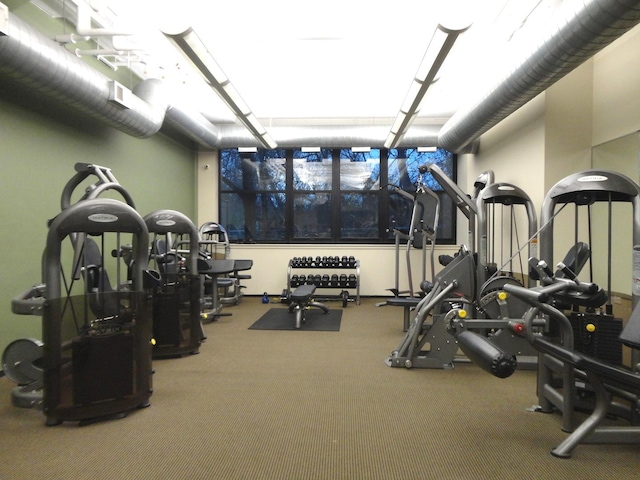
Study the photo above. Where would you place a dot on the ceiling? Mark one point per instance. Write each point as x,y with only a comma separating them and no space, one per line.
340,61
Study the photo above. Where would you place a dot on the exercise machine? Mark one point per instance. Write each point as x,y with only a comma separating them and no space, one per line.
585,191
470,283
95,358
422,230
572,378
616,390
215,246
466,203
177,327
423,226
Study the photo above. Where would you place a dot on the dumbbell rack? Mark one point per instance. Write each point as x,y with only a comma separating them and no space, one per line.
332,280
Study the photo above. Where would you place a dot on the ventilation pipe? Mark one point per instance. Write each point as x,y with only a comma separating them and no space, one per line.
33,61
586,31
330,136
193,125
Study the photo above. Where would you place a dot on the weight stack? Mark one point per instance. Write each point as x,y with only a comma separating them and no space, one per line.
602,342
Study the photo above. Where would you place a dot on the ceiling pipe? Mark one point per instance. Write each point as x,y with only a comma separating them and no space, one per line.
193,125
330,136
33,61
585,32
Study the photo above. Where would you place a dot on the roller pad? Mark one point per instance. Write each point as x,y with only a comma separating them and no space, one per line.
486,355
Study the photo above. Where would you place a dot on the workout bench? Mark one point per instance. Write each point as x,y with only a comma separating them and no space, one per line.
301,300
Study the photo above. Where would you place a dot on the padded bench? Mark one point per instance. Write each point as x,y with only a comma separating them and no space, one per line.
408,303
301,300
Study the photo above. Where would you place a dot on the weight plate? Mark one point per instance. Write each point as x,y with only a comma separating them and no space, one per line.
20,361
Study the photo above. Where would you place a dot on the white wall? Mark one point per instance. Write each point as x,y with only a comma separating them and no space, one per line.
207,187
377,266
616,86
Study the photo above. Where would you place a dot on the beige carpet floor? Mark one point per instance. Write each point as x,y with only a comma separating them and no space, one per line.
310,405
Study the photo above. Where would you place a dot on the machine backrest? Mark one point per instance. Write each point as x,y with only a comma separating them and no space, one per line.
97,282
576,258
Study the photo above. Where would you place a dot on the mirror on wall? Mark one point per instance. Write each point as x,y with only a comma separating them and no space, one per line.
620,155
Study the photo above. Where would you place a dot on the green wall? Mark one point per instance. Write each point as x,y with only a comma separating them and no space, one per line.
39,146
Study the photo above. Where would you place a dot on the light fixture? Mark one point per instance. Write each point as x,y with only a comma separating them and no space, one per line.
440,45
4,19
247,150
361,149
196,51
427,149
310,149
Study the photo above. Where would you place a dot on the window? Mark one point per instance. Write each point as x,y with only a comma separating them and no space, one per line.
312,189
359,194
328,195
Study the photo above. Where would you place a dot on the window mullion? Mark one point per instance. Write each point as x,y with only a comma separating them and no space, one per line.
288,211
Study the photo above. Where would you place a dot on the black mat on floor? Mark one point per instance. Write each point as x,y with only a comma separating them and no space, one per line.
316,320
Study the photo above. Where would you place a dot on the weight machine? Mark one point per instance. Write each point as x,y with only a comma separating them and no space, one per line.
95,358
470,283
572,378
585,190
177,328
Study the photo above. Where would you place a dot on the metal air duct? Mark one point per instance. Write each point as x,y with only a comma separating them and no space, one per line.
33,61
330,136
29,58
193,125
586,31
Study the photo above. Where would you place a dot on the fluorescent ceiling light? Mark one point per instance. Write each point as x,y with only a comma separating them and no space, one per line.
247,149
4,19
427,149
196,51
361,149
309,149
441,43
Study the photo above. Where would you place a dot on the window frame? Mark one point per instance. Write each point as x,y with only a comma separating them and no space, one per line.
383,194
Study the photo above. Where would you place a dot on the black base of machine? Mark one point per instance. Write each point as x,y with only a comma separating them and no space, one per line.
596,335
